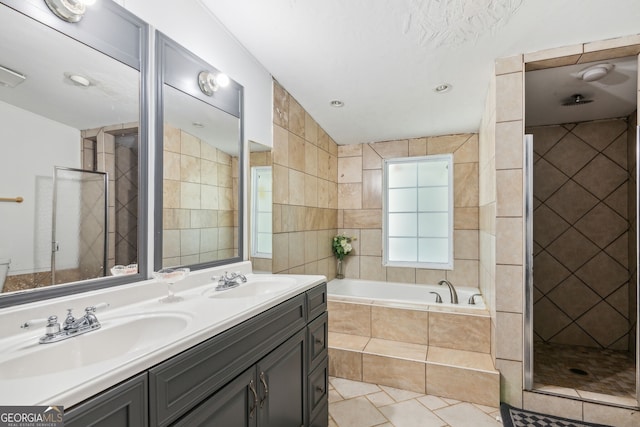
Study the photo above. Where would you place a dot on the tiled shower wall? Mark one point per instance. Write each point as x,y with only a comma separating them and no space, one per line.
581,234
632,142
305,203
199,201
360,207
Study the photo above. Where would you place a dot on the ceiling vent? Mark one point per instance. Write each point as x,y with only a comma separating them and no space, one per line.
10,78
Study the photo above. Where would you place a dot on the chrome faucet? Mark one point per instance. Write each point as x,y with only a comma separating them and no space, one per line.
228,281
452,291
472,300
71,327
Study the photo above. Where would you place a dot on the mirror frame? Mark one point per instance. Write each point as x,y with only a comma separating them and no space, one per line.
173,63
115,32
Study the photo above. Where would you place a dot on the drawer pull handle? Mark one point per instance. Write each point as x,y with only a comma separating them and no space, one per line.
319,341
252,410
320,389
263,380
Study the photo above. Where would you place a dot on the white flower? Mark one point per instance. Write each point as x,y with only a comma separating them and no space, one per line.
347,248
343,243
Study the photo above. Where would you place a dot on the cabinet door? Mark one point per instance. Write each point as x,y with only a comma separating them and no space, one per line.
235,405
124,405
282,384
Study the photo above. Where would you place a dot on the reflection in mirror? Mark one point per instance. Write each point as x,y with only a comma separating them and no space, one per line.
69,147
201,157
261,206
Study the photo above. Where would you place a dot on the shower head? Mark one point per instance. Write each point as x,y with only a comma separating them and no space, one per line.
576,99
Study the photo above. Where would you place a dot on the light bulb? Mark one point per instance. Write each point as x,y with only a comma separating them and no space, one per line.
222,80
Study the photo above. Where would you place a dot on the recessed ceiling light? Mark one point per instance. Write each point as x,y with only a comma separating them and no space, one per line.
10,78
197,125
442,88
79,80
336,103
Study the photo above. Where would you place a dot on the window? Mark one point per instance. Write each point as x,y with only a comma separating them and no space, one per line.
418,212
261,211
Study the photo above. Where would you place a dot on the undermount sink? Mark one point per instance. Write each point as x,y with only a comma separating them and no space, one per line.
118,336
255,287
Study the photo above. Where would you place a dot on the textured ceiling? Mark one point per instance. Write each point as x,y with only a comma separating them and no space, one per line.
384,57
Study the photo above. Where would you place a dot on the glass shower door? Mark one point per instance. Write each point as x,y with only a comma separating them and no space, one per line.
79,248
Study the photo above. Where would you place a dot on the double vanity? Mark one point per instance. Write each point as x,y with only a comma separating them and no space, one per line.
254,354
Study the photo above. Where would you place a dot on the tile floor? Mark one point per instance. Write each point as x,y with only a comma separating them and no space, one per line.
358,404
597,374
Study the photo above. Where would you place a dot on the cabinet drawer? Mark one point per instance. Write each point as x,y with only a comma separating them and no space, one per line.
317,301
317,338
123,405
181,383
318,388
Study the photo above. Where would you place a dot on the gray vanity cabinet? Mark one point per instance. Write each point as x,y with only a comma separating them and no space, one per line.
123,405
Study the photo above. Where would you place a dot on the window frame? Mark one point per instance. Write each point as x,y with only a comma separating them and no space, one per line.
448,265
255,229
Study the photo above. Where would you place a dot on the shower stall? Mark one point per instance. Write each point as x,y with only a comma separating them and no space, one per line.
79,248
582,287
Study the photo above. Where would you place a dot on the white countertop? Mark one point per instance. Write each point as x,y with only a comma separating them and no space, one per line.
43,379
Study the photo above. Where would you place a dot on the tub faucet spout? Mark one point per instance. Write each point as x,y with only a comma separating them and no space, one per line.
452,291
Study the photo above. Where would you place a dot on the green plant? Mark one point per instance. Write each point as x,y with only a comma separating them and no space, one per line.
341,245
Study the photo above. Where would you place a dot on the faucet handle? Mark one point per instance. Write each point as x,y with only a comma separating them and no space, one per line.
94,308
438,297
35,322
472,300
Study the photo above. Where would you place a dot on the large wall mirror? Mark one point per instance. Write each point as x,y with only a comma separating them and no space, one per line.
71,150
199,162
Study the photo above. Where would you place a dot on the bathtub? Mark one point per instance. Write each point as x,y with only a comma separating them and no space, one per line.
392,293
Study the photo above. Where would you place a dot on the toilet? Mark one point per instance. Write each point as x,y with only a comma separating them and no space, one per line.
4,269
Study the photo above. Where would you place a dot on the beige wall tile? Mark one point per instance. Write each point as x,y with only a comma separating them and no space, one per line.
189,169
465,273
460,358
208,172
465,184
509,288
509,101
296,118
347,341
512,64
296,152
208,152
370,159
402,374
371,242
349,169
429,277
280,106
310,129
171,139
509,241
466,244
296,187
352,267
467,152
631,41
371,268
464,384
350,196
311,159
446,143
350,150
189,195
410,326
170,243
280,252
280,145
621,417
345,364
509,145
553,62
170,194
509,192
171,166
418,147
510,381
465,218
189,144
604,55
399,349
364,218
460,332
310,191
509,331
280,184
372,189
350,318
552,405
401,274
553,53
391,149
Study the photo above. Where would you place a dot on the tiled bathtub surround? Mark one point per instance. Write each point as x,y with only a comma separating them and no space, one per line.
425,350
305,162
360,207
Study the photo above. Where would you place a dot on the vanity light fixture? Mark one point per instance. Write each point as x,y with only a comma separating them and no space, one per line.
336,103
209,82
442,88
69,10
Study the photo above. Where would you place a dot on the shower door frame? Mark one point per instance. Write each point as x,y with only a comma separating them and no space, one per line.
54,242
